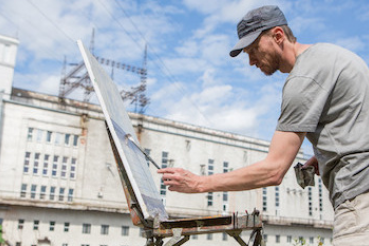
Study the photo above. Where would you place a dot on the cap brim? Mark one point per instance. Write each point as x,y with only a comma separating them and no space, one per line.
244,42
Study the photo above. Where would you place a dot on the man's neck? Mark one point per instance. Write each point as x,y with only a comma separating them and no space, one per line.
291,52
300,48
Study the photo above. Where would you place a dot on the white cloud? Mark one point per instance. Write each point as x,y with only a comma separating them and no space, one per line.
189,48
352,43
183,65
198,82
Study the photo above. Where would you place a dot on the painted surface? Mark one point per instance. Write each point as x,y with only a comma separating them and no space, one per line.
120,126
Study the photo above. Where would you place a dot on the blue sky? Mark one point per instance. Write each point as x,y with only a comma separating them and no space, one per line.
191,77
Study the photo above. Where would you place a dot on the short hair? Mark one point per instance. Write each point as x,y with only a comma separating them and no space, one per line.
287,31
289,34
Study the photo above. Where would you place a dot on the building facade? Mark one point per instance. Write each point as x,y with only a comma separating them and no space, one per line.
59,184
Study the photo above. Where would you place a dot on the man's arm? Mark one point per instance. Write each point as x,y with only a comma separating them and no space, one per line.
270,171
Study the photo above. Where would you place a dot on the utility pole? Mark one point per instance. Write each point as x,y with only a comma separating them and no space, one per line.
77,77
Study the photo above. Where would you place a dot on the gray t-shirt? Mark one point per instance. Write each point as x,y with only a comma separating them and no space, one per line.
327,96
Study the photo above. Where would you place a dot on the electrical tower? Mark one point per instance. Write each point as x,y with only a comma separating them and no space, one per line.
77,77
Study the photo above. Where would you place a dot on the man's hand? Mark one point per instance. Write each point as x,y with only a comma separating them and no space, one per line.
178,179
312,162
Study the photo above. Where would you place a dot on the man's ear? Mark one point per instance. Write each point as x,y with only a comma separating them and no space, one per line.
278,35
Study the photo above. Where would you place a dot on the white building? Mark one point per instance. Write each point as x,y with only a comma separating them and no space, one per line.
8,51
59,184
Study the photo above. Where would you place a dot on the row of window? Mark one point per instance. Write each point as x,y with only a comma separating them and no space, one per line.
164,164
289,238
54,138
104,230
43,192
296,241
86,228
48,165
210,196
310,198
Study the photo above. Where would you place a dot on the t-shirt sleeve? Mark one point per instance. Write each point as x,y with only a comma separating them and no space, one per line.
303,102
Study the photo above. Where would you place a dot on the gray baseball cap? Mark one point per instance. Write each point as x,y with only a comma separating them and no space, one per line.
254,22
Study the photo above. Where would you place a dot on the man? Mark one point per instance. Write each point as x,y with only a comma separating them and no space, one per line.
326,99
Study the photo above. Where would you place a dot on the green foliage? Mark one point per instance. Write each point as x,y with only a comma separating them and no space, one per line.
302,242
1,235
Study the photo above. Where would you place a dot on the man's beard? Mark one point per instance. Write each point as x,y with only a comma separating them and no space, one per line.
272,64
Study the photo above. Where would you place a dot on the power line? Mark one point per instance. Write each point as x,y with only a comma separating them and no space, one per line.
52,22
169,75
158,62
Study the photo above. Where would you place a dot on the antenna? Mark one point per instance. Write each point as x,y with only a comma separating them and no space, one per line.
77,77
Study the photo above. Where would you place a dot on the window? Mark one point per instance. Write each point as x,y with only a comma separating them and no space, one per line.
289,239
48,136
301,240
164,164
58,138
86,228
195,237
61,194
277,238
26,162
73,164
225,236
70,195
33,191
36,224
23,190
210,198
67,139
36,163
276,197
320,196
225,201
104,229
311,240
52,193
310,198
225,167
209,236
52,226
20,223
54,171
210,167
43,192
45,168
125,230
75,140
225,196
265,199
63,173
40,134
30,134
66,227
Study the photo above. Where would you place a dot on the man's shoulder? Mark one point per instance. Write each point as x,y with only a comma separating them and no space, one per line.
328,48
